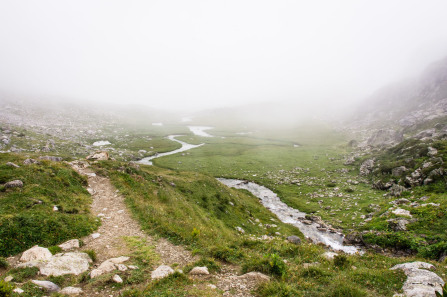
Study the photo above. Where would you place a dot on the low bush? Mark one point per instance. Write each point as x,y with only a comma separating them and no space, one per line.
271,264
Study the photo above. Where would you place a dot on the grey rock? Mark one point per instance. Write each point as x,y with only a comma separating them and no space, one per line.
14,184
10,164
117,279
72,291
294,239
397,190
398,171
68,263
398,225
30,161
199,271
36,253
161,272
51,158
47,285
367,167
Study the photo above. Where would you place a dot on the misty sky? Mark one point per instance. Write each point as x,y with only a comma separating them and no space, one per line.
201,54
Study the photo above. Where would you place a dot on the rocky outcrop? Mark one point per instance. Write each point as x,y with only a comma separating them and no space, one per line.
420,281
99,156
367,167
162,272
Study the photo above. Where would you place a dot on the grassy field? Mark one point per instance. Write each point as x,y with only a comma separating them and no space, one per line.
26,214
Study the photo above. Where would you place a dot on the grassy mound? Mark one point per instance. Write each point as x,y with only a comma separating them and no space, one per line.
26,214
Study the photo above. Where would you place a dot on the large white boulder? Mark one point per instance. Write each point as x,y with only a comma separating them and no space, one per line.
36,253
68,263
162,272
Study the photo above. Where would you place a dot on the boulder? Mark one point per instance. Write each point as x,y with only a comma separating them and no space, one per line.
401,212
397,190
36,253
72,291
47,285
10,164
420,282
294,239
68,263
69,245
14,184
367,167
199,271
161,272
398,171
99,156
398,225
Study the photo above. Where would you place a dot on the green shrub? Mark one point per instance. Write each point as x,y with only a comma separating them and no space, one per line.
91,254
434,251
344,289
278,289
3,263
54,249
226,254
314,272
341,261
271,264
21,274
5,289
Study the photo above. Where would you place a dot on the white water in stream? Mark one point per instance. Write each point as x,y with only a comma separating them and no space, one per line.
185,147
291,215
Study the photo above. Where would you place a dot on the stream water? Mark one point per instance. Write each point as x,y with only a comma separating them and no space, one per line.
185,147
292,216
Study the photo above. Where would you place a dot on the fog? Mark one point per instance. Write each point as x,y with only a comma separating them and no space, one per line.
194,55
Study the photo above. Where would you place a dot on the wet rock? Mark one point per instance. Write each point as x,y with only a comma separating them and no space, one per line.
68,263
161,272
14,184
69,245
199,271
294,239
36,253
72,291
47,285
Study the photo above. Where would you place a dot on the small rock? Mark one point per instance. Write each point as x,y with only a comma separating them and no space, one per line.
51,158
95,235
255,276
99,156
199,271
36,253
401,212
121,267
329,255
47,285
71,291
294,239
68,245
30,161
211,286
18,291
10,164
117,279
14,184
132,267
240,230
8,278
161,272
55,208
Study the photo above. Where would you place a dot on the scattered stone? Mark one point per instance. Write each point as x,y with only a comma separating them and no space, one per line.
10,164
30,161
51,158
68,245
36,253
402,212
18,291
108,266
47,285
14,184
117,279
99,156
294,239
255,277
95,235
420,282
329,255
68,263
199,271
71,291
161,272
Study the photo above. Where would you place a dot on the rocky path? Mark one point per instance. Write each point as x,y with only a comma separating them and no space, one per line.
116,223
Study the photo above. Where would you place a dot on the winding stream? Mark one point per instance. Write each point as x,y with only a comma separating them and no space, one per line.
185,147
292,216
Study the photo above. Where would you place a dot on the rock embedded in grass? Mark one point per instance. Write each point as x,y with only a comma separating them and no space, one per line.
199,271
14,184
36,253
71,291
47,285
294,239
162,272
